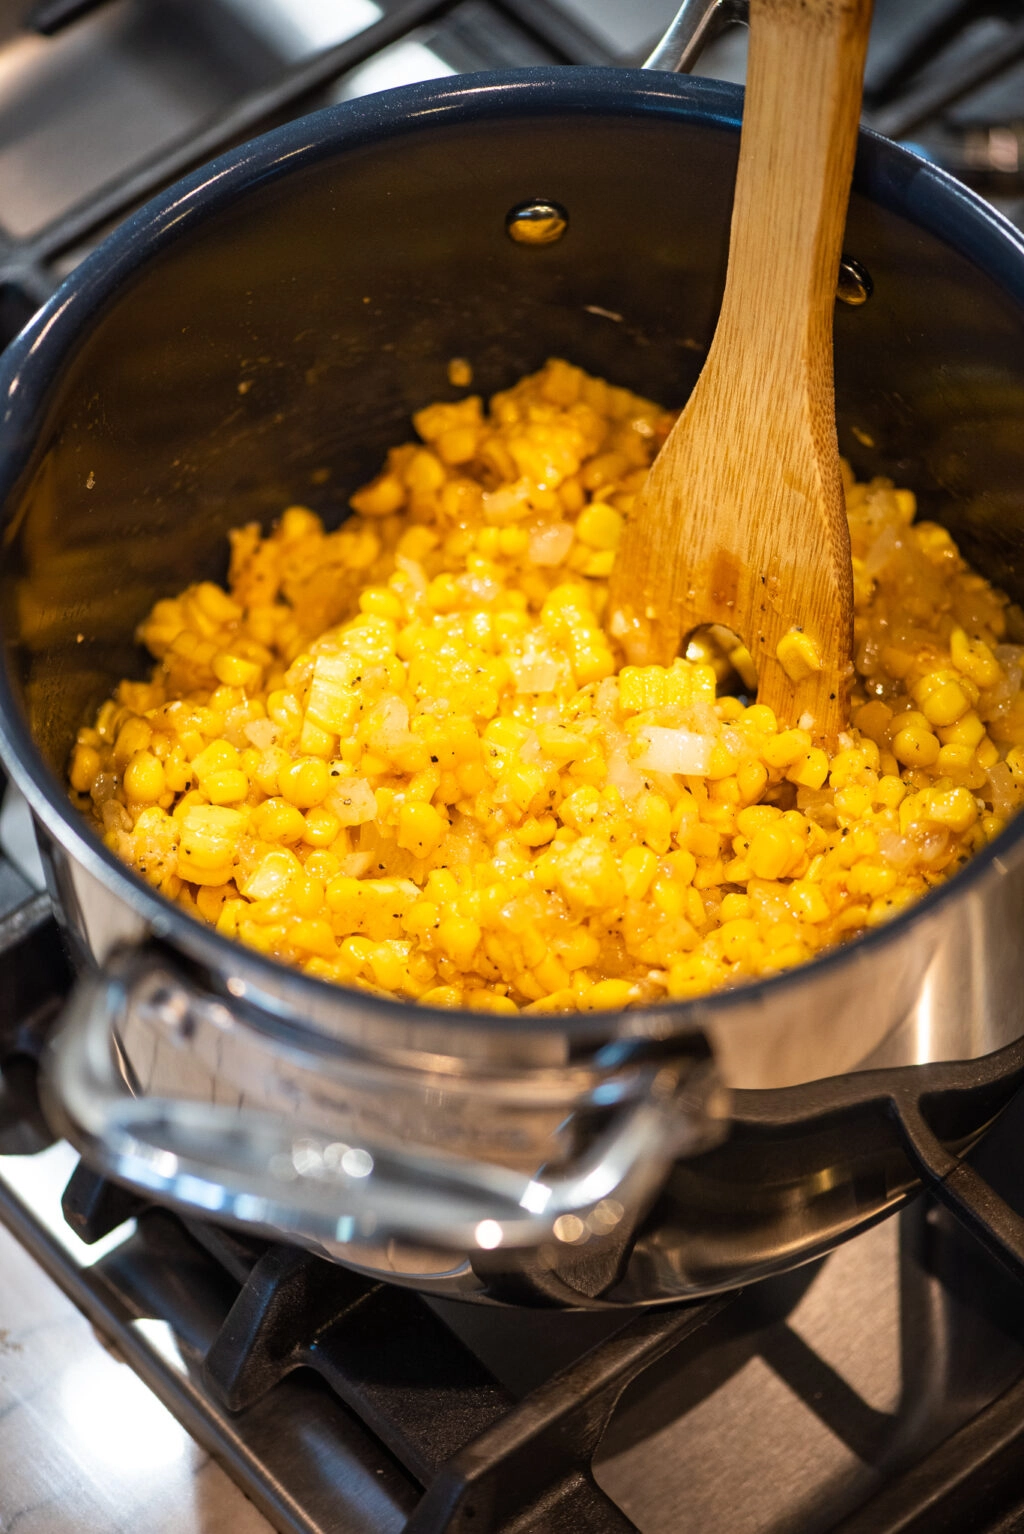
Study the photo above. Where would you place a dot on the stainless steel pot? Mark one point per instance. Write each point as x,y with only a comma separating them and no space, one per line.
333,267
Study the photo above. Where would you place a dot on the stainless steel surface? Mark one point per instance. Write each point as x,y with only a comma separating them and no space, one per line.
314,1144
696,24
536,223
854,286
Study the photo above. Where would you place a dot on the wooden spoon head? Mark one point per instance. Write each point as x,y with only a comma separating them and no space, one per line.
727,530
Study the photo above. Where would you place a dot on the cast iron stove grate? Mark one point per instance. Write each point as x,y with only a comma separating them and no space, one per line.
478,1458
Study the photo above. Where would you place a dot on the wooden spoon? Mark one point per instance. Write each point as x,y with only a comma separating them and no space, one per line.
741,521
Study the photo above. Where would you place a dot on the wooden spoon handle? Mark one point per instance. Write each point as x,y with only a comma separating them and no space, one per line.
799,124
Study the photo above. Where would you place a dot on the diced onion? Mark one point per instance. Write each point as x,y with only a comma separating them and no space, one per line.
680,751
1002,790
882,550
550,543
353,801
261,733
538,673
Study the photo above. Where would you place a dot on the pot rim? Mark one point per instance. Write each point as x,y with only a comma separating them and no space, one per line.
886,173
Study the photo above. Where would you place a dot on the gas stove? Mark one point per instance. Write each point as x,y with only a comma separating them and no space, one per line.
879,1389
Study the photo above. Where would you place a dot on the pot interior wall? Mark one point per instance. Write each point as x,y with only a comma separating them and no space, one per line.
272,355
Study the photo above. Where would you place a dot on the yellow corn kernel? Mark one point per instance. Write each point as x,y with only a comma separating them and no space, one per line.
751,780
669,897
655,820
639,866
953,759
967,731
217,756
85,767
210,836
784,749
974,658
873,720
379,600
134,735
536,832
322,827
735,938
952,807
380,498
760,719
771,852
551,973
798,655
806,898
809,770
235,671
144,779
228,786
580,950
276,874
750,820
607,995
600,526
458,444
313,936
304,782
420,828
854,802
459,938
278,821
915,746
941,700
424,471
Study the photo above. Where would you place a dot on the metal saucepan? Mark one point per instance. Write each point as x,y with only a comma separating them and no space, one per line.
333,267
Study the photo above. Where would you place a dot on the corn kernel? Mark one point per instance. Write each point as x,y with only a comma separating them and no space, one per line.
941,699
304,782
607,995
954,807
228,786
144,779
420,828
784,749
459,937
809,770
974,658
915,746
235,670
798,655
600,526
278,821
771,852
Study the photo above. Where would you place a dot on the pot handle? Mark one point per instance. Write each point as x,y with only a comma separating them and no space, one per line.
695,24
260,1168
